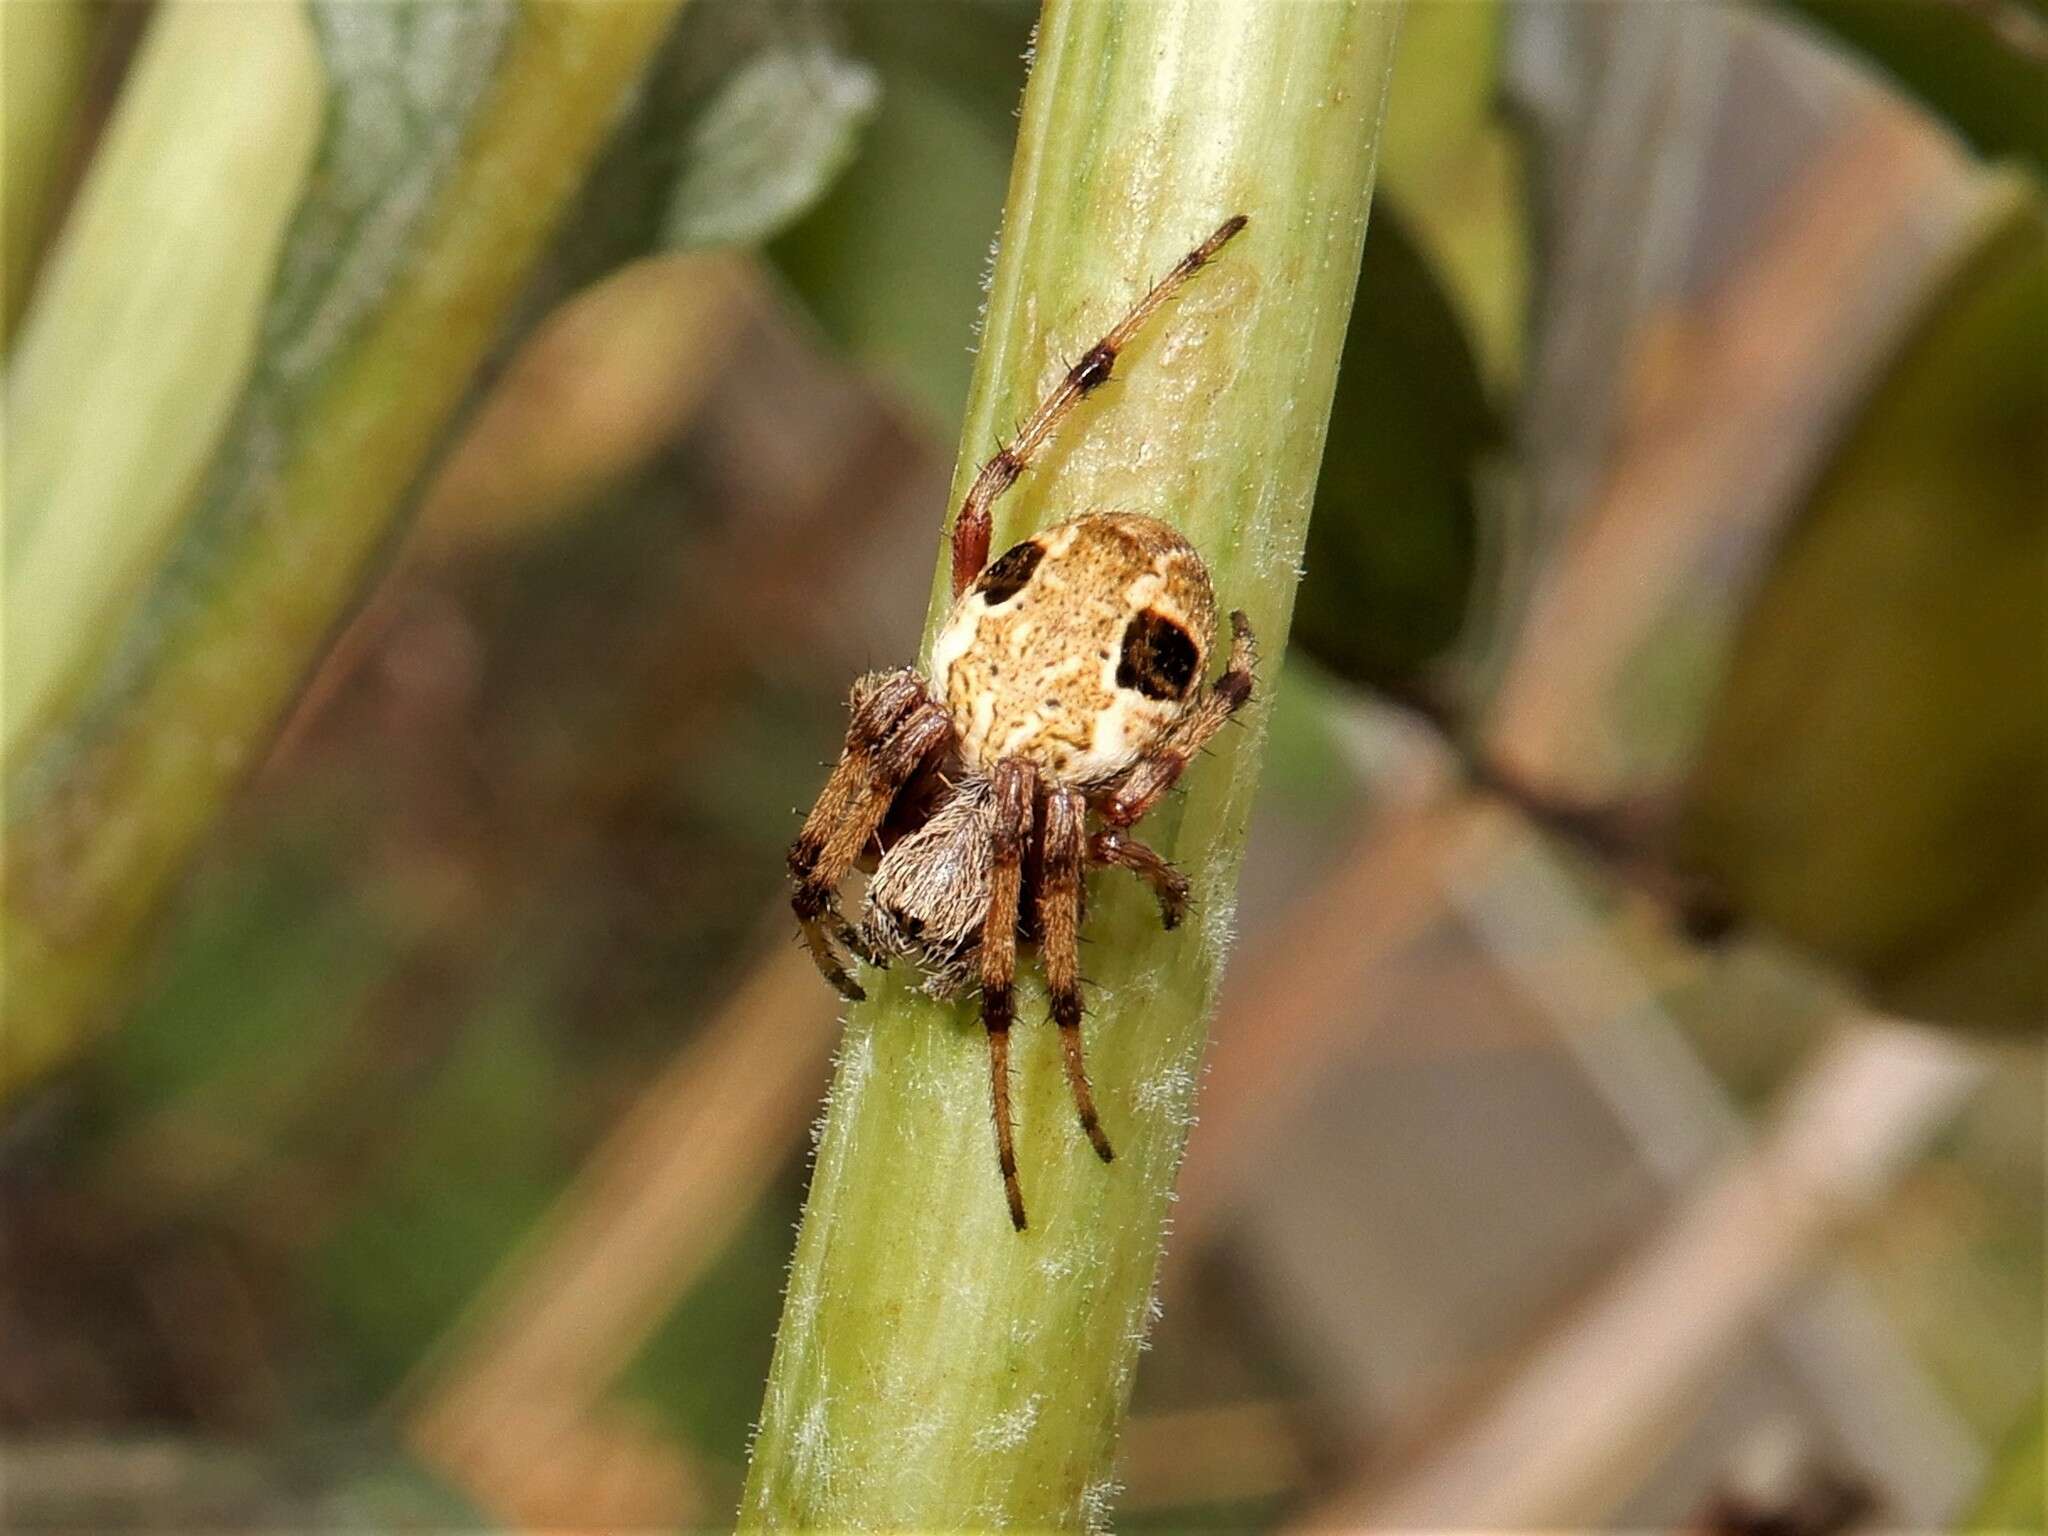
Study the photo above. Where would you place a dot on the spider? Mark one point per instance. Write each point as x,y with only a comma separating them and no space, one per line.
1065,682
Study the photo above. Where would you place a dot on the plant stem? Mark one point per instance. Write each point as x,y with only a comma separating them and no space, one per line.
146,331
370,341
46,54
1608,1392
935,1368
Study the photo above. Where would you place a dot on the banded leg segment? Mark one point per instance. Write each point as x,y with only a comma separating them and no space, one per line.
895,728
1091,372
1059,945
1154,774
1016,791
1114,846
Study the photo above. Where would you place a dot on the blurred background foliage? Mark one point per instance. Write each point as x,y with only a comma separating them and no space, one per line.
407,1071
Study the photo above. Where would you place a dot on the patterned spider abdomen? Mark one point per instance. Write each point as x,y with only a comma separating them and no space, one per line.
1077,649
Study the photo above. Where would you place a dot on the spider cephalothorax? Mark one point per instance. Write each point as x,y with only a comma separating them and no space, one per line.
1065,689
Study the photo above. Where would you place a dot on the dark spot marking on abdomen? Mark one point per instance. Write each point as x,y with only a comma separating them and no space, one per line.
1159,658
1011,574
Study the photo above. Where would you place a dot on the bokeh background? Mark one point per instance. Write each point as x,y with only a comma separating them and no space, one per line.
1628,1096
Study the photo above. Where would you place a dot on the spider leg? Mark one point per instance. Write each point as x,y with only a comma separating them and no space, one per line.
1114,846
1154,774
1059,941
1016,790
896,727
999,472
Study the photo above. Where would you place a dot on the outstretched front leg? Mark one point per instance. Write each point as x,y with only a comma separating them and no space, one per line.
1148,780
1015,783
1088,374
896,728
1059,941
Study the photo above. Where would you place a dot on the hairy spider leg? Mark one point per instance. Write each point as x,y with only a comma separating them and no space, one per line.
1115,847
1154,774
1059,944
1089,373
895,727
1016,792
816,862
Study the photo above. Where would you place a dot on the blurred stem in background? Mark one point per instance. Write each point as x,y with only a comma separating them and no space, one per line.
46,56
1607,1394
934,1367
146,333
301,235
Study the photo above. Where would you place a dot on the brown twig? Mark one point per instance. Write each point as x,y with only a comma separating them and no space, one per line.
1597,1404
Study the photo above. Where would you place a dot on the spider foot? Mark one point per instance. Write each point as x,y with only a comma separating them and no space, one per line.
842,981
818,940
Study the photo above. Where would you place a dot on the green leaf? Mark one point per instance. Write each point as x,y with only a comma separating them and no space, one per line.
893,261
455,139
1393,543
1981,65
1453,165
776,135
749,114
404,84
1871,780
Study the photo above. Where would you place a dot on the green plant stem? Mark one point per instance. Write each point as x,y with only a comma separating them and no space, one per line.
358,383
145,329
46,54
934,1368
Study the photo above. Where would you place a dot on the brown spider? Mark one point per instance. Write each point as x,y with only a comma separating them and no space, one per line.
1065,680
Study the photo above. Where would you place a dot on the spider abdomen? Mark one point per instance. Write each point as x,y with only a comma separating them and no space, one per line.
1077,649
